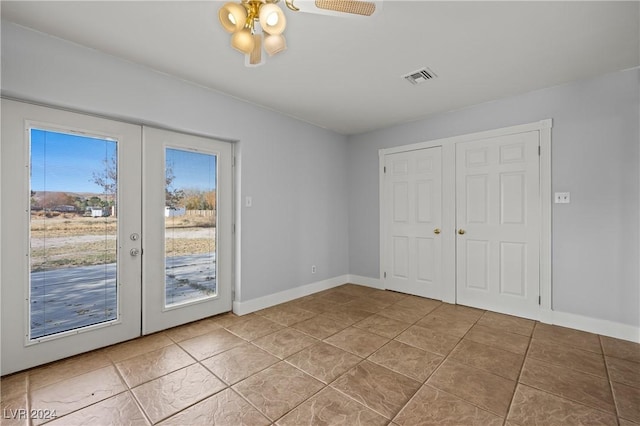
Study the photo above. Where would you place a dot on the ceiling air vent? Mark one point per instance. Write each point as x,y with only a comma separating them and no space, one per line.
420,76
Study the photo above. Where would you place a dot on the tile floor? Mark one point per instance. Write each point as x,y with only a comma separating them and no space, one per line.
351,356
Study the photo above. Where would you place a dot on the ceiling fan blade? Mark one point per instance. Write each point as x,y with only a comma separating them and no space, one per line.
365,8
337,7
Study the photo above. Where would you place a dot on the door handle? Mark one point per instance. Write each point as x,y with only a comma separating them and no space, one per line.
461,231
134,252
436,231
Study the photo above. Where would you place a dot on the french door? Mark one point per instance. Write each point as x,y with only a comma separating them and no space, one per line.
99,236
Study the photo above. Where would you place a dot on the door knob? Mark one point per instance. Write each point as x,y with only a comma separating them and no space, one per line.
436,231
134,252
461,231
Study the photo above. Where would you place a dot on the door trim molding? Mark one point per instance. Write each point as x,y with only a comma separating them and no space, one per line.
448,144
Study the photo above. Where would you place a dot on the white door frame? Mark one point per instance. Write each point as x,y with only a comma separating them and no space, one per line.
449,209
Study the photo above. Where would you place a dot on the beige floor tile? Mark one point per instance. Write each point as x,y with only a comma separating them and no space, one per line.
323,361
408,360
367,304
278,389
447,310
166,395
225,408
211,344
13,385
481,388
621,348
624,422
433,407
346,314
288,315
357,341
379,388
497,361
284,342
383,326
67,368
117,410
428,340
356,290
239,363
512,342
137,346
567,356
574,385
567,336
534,407
401,313
627,401
419,304
507,323
152,365
315,306
15,411
320,326
255,327
229,319
330,407
337,296
78,392
193,329
623,371
387,296
449,324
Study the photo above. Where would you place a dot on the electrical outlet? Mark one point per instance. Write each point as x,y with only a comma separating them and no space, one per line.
313,269
562,197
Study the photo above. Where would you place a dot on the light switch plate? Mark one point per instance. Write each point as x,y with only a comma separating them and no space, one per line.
562,197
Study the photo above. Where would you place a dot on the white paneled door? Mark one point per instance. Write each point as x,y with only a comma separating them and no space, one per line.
498,223
413,215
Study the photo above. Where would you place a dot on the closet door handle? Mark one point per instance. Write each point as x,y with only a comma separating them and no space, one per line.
436,231
461,231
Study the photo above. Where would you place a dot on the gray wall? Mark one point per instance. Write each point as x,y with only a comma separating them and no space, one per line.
595,156
295,172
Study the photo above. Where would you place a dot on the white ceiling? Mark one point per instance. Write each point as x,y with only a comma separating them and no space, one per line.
345,73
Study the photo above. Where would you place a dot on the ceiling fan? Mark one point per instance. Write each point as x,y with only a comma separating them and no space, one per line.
258,24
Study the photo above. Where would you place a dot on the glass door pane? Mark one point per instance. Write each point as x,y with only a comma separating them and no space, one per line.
187,228
190,226
73,231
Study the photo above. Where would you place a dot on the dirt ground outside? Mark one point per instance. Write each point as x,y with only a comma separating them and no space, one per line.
69,240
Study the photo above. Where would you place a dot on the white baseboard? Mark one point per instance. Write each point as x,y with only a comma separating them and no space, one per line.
248,306
366,281
563,319
593,325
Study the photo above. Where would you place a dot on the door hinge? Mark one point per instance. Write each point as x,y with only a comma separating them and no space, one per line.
384,169
539,300
539,150
385,275
233,229
233,161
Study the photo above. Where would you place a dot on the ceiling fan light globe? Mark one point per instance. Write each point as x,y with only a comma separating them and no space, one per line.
232,17
243,41
274,44
272,19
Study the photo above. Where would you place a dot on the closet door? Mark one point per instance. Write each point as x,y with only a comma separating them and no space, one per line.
413,217
498,223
